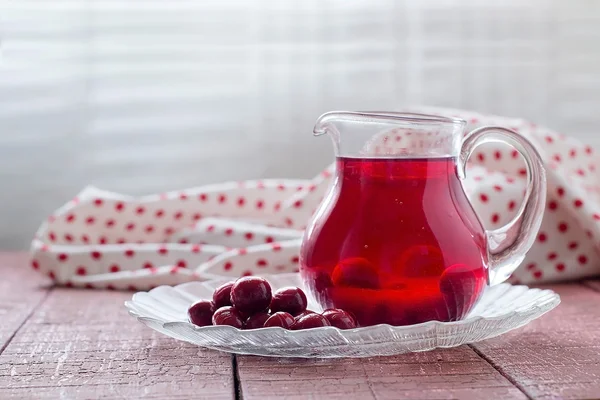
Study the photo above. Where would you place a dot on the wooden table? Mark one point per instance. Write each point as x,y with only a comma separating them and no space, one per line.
82,344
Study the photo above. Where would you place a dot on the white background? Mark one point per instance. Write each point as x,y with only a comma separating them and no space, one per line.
146,96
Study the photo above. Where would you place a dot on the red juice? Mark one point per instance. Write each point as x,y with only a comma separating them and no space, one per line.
396,241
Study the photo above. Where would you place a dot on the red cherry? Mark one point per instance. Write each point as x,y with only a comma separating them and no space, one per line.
201,312
319,282
355,272
289,299
460,279
302,314
339,318
256,321
251,294
461,286
310,321
281,319
228,316
420,261
222,295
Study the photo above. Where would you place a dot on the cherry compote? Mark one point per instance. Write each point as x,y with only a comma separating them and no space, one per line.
396,241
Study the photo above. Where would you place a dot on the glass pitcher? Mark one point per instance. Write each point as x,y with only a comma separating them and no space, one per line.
396,240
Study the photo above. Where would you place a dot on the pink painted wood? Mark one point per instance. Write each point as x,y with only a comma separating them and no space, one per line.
21,289
594,284
82,345
558,355
453,373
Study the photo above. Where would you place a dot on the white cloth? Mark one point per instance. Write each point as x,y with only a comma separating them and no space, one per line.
108,240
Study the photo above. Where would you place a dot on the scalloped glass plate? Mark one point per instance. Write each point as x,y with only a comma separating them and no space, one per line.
501,308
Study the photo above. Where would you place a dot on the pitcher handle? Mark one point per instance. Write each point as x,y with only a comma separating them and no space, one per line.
507,245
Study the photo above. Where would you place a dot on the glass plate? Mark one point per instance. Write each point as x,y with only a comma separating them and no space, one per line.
502,308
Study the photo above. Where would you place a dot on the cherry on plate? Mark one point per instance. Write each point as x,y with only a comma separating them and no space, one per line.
222,295
339,318
310,321
355,272
228,316
303,313
201,313
281,319
251,294
256,321
289,299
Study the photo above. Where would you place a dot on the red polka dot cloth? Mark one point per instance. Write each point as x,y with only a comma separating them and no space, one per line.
113,241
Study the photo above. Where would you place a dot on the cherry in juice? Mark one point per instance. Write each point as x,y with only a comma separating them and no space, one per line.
396,241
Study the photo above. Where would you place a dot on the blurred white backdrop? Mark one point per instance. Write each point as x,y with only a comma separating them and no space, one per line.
147,96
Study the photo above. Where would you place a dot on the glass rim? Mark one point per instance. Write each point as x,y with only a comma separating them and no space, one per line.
390,116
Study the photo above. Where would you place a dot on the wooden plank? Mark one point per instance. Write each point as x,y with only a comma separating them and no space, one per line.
440,374
82,344
21,289
593,284
558,355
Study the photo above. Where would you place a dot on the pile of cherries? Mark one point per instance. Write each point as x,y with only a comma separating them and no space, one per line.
248,303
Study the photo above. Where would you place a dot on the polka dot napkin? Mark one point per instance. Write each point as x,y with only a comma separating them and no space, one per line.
108,240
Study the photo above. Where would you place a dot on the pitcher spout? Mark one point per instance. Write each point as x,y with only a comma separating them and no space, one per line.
390,134
326,123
